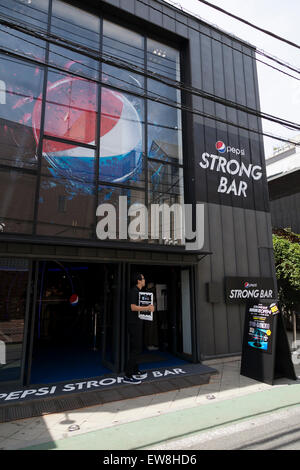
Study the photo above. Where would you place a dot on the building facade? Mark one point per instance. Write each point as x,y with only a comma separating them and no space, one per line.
108,109
283,173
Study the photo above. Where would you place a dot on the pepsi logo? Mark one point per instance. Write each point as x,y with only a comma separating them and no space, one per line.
74,299
220,146
246,284
71,114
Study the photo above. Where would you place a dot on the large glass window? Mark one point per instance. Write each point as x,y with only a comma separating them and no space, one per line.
74,24
121,45
20,95
71,105
66,198
121,139
31,12
88,126
13,289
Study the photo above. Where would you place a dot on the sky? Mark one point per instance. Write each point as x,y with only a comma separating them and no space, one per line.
279,94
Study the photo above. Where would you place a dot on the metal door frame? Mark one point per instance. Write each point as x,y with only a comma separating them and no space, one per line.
31,317
192,279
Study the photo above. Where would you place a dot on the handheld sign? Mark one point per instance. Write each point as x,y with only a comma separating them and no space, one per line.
266,353
145,298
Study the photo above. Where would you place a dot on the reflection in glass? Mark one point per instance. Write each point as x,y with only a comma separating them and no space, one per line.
33,12
121,141
164,144
71,108
163,60
13,287
23,44
73,62
17,201
67,196
121,44
75,24
20,93
160,113
164,181
164,129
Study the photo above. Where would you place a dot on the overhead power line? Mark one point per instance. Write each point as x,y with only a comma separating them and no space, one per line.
161,100
248,23
234,38
111,60
240,51
124,65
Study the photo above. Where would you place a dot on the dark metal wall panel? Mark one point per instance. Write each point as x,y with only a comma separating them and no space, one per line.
128,5
217,270
181,25
115,3
252,243
231,262
169,21
142,10
156,15
205,318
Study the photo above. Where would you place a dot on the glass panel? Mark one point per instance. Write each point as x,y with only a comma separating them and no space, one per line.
121,44
71,108
165,179
20,103
122,138
114,220
164,130
25,45
34,12
164,144
17,201
73,62
169,95
66,203
166,187
74,24
13,287
163,59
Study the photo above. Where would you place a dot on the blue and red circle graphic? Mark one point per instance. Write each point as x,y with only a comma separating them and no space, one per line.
220,146
71,114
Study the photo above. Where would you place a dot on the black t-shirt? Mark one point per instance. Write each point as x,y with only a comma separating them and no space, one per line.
132,317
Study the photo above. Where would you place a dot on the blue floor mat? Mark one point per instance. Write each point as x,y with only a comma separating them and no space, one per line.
60,364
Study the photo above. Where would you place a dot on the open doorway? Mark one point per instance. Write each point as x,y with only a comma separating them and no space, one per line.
76,308
168,339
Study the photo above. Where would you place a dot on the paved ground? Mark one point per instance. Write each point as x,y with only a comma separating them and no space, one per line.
272,431
153,421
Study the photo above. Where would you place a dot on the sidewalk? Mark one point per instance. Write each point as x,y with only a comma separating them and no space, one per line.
146,422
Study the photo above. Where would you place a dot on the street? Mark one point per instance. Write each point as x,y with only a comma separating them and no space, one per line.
275,431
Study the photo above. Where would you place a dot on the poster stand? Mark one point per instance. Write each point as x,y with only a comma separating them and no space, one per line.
266,353
145,299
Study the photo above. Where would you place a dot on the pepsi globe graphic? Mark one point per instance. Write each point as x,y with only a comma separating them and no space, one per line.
71,114
74,299
220,146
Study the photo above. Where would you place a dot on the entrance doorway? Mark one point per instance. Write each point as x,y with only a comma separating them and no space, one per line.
169,339
76,306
